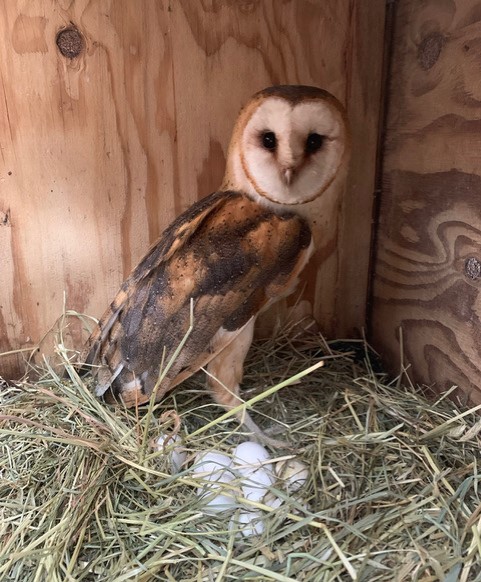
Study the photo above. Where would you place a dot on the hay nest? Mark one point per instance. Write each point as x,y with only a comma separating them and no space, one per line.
393,491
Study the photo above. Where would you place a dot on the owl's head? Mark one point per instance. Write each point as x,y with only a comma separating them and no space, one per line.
288,144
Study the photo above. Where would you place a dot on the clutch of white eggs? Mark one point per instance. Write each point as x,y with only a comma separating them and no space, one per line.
247,473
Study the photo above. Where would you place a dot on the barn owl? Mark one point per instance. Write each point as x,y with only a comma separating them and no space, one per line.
226,258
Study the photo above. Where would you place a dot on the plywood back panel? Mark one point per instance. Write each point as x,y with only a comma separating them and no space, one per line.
101,151
428,268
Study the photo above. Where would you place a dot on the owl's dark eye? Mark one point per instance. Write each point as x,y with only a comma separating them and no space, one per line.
314,143
269,140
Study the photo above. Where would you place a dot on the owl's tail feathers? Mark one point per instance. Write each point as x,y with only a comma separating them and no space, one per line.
101,347
89,364
88,358
112,379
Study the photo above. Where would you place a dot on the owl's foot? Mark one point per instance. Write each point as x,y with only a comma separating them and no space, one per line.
259,435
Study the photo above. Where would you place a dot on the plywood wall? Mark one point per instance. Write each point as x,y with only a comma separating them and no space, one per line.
100,150
428,269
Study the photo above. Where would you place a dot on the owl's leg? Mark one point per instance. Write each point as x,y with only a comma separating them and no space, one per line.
225,373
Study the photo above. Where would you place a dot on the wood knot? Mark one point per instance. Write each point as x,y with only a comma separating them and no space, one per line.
429,49
5,218
472,268
70,42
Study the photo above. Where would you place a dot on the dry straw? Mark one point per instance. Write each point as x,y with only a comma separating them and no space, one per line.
393,492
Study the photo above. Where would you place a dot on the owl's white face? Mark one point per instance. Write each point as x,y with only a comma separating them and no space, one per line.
290,151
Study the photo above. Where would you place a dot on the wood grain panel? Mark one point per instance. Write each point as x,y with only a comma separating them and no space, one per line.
100,152
429,247
75,143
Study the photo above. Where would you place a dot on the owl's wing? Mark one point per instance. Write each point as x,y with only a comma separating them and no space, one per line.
142,277
227,257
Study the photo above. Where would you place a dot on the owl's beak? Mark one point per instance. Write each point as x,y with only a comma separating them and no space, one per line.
287,176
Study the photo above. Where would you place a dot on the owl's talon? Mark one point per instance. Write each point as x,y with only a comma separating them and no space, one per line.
259,435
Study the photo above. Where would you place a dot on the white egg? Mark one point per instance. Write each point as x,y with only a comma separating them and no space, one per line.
294,474
172,445
303,508
249,456
256,484
218,503
213,471
213,466
272,500
250,523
